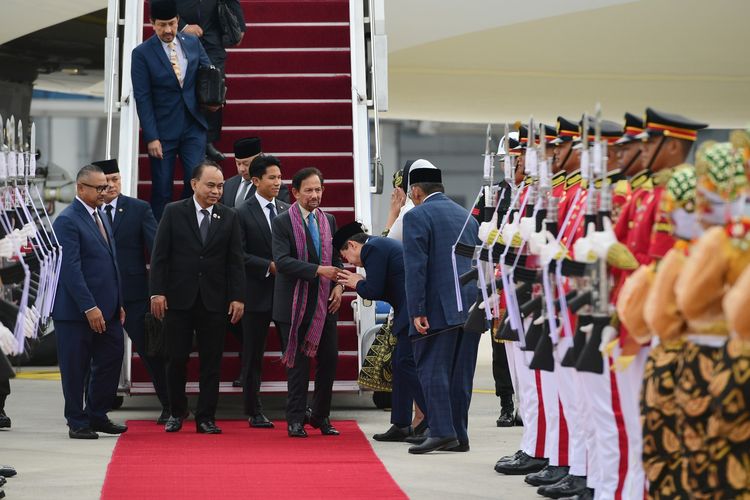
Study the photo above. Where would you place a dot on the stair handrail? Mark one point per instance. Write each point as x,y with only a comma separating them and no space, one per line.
377,161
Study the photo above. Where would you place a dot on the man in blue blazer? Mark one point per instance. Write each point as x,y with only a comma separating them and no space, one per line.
134,228
445,354
164,70
383,261
88,310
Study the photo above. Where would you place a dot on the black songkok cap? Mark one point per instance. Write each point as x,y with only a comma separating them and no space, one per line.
247,147
345,232
566,130
417,175
633,127
163,9
107,166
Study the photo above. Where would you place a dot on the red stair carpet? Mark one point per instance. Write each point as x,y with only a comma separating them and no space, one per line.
245,463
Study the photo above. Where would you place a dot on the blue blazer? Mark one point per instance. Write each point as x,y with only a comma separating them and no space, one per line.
430,230
89,276
165,108
383,260
134,228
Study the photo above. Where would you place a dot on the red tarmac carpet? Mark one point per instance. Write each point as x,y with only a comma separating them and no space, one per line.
245,463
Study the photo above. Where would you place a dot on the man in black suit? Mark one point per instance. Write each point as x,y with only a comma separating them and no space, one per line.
134,227
240,188
256,216
306,301
197,279
200,18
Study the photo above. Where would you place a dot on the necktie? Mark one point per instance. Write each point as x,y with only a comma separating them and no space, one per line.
312,225
175,62
203,228
271,212
241,192
99,224
108,209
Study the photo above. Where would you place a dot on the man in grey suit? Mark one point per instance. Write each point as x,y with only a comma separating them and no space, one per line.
306,301
240,188
256,219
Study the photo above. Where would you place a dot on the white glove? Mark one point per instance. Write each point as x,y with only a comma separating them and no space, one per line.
601,241
30,321
509,230
537,242
484,231
492,300
6,248
609,333
552,250
527,227
8,343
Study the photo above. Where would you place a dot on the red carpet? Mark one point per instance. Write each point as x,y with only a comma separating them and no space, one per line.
245,463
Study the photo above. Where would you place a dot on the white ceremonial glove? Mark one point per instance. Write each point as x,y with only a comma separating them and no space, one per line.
537,242
510,230
609,333
6,248
484,231
8,343
602,241
552,250
583,248
493,300
30,321
527,227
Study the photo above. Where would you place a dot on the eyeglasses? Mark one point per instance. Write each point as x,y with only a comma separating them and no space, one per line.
99,189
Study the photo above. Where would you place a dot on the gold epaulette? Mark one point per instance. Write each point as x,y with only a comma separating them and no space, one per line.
573,179
528,180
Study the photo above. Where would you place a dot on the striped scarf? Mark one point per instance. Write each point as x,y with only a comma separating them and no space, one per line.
299,299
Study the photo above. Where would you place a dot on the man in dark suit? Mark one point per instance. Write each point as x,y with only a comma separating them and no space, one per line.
88,310
197,279
445,354
383,261
256,218
240,188
306,301
164,72
134,227
200,18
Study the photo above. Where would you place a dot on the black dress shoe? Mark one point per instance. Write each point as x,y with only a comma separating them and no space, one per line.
296,430
308,416
237,383
173,424
214,154
521,466
394,435
549,475
433,444
568,486
207,427
507,418
260,421
510,458
2,494
421,427
2,481
324,425
4,420
462,447
418,438
519,421
165,414
7,471
109,427
587,494
83,433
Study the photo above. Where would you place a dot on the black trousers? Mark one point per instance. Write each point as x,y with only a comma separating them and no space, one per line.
298,377
500,370
4,392
255,330
210,329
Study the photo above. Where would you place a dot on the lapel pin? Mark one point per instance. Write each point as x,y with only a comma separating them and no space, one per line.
216,216
119,209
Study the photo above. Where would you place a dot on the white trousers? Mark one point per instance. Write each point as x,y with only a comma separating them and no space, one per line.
529,388
572,398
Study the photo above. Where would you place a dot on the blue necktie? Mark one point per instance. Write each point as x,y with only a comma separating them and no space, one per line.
312,225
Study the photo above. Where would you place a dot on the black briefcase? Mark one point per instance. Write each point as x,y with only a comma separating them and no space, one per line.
231,29
156,344
210,87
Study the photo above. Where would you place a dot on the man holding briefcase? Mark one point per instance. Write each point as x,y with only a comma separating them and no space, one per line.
164,72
